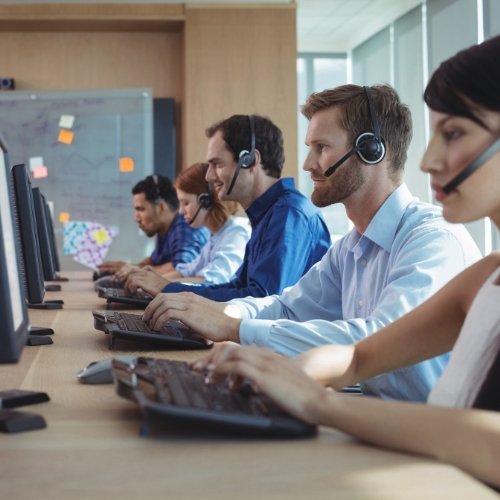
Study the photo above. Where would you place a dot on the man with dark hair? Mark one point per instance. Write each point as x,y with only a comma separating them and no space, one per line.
157,213
245,158
399,252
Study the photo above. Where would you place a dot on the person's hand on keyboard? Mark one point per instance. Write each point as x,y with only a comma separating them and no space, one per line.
206,317
269,373
146,279
125,271
110,266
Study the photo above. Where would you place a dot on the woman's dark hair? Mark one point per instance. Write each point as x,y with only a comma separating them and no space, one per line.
467,82
488,397
192,180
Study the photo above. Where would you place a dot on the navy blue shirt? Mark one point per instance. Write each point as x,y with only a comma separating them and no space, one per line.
181,243
289,235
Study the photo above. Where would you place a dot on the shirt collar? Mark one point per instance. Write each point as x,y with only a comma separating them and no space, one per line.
384,224
266,200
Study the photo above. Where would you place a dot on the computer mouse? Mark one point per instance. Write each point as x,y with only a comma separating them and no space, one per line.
99,372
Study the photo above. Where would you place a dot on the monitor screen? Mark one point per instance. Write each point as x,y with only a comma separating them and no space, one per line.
43,235
26,223
52,238
14,324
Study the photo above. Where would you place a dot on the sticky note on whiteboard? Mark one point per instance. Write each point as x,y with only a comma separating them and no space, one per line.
66,121
64,217
40,172
66,136
126,164
35,162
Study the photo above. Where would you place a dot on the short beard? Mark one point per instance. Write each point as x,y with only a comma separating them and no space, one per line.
347,180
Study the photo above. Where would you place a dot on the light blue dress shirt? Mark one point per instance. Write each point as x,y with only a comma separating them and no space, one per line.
222,255
364,282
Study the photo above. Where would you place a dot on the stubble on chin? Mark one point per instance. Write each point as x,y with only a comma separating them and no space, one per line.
338,187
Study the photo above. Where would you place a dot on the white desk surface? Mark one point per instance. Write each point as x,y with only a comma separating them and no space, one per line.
92,449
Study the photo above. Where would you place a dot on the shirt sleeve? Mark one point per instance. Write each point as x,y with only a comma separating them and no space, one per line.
227,255
284,246
186,243
422,265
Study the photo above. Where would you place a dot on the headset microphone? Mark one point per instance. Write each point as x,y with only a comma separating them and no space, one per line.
472,167
246,159
369,146
195,215
336,165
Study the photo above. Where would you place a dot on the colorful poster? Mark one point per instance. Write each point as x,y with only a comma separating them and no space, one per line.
88,242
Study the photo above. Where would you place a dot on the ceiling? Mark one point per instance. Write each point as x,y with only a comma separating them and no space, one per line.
340,25
322,25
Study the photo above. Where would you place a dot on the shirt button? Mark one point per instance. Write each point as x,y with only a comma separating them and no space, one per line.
360,303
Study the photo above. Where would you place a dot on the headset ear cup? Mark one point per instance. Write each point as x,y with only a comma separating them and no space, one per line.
204,200
369,148
246,159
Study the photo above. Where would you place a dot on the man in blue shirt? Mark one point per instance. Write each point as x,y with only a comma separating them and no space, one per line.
157,214
399,252
245,158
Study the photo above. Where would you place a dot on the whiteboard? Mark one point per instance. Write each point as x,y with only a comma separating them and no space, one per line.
94,146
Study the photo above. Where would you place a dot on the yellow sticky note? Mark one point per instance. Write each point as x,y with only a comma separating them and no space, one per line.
126,164
66,136
64,217
100,236
40,172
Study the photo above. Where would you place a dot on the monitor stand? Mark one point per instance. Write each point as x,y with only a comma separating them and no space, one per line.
41,330
38,340
52,288
47,304
58,277
38,336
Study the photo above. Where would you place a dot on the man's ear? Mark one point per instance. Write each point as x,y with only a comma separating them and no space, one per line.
258,157
163,206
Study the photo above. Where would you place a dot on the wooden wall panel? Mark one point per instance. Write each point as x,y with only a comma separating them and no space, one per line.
89,60
240,60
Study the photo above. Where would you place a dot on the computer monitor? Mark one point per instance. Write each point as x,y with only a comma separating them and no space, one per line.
43,235
31,268
53,244
52,238
26,223
14,323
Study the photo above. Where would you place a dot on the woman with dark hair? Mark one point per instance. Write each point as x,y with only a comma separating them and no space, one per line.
461,422
223,253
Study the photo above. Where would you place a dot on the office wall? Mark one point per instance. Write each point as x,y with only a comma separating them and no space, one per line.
83,60
213,61
240,61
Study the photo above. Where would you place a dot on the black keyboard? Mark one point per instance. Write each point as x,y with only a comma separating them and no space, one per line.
135,323
170,392
120,292
126,326
112,284
175,383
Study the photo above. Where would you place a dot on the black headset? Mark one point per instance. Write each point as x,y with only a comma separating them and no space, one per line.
205,200
369,146
156,182
490,151
246,159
